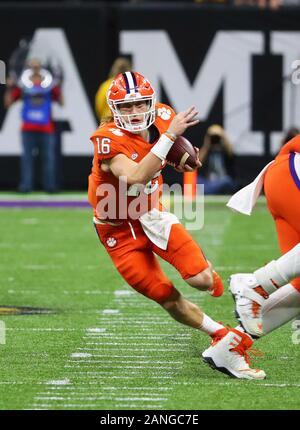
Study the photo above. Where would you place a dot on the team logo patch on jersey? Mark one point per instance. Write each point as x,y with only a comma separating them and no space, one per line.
111,242
134,156
164,113
116,131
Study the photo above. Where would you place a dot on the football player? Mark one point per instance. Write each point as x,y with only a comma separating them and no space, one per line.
130,151
269,297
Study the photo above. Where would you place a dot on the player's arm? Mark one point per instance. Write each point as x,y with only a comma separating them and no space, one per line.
136,173
143,172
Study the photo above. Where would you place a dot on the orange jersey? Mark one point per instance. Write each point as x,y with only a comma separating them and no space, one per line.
290,153
111,198
282,190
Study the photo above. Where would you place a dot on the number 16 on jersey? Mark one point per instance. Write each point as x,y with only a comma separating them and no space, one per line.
103,145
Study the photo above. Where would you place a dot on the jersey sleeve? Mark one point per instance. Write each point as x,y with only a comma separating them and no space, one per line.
292,145
165,111
165,115
173,113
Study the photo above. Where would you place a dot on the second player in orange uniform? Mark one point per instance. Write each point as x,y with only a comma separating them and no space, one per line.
282,189
269,297
281,181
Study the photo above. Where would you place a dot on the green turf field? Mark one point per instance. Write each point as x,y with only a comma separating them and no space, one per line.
106,347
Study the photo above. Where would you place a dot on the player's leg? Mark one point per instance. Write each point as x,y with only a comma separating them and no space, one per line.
208,277
188,313
132,257
140,268
234,360
138,265
281,307
188,258
283,304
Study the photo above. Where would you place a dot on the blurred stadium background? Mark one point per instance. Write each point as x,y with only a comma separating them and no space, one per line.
234,63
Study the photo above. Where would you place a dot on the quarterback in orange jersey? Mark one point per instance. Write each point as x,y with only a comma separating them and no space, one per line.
270,297
130,150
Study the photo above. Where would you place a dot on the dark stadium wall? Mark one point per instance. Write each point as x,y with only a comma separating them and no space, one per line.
236,65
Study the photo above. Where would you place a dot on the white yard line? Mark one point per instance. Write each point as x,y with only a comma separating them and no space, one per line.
99,372
105,334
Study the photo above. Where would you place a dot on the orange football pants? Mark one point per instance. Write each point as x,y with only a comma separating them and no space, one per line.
283,199
133,254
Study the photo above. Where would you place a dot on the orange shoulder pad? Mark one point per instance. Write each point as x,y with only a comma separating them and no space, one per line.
164,116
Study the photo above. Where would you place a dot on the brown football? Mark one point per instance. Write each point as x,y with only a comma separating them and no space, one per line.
182,152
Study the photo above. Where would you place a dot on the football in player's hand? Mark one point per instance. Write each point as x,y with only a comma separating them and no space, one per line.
182,152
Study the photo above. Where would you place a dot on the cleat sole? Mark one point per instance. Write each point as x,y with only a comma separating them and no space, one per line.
212,364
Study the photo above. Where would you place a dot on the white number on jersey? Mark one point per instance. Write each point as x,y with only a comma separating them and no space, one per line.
103,145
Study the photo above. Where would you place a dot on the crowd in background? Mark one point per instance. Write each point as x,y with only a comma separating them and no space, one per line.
38,132
263,4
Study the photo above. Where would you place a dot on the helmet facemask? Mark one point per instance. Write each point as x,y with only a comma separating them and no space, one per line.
126,121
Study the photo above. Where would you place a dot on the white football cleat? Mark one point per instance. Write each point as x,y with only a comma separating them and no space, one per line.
229,356
249,299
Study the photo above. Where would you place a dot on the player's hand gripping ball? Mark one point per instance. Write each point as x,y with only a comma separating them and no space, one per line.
182,153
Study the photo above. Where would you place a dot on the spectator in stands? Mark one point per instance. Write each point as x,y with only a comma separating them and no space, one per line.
37,90
206,2
120,65
292,3
216,155
272,4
